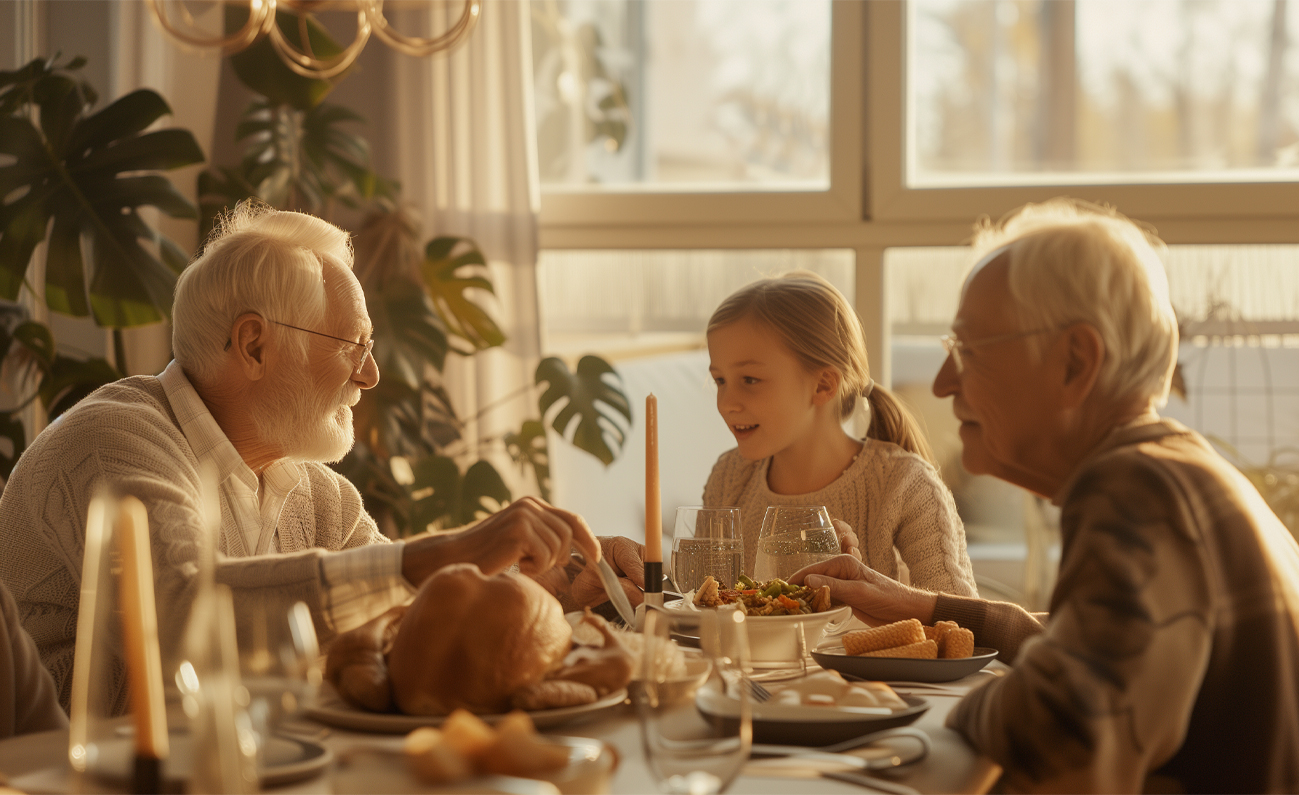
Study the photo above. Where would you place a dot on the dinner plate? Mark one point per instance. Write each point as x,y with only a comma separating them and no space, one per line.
785,724
284,759
590,768
896,669
332,710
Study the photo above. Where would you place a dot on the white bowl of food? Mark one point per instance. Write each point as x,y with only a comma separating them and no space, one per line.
773,630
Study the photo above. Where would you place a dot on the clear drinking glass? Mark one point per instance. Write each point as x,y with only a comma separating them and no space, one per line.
688,752
793,536
706,541
279,665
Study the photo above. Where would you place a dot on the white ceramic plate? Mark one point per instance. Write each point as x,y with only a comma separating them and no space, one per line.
771,638
332,710
788,724
590,768
285,759
895,669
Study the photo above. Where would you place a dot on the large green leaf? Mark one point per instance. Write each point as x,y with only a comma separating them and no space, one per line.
442,495
587,397
86,177
463,317
259,67
300,160
529,448
408,333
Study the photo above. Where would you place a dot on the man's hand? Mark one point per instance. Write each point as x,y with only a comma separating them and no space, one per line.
536,535
874,598
628,561
847,539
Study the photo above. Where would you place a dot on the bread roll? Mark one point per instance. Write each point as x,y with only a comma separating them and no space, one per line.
471,641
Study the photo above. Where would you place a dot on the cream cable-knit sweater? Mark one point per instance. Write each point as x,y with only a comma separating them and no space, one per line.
126,435
891,498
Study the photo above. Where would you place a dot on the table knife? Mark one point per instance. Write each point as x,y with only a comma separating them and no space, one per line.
616,594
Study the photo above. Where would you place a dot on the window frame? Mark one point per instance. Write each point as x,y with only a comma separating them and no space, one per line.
869,207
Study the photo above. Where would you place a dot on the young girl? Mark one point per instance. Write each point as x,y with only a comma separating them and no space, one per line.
789,358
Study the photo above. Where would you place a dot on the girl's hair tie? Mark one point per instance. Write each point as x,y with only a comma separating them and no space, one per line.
870,387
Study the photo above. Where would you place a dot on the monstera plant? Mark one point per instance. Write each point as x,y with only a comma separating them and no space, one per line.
412,461
76,181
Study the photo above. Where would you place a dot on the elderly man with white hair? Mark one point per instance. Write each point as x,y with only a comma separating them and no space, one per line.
273,347
1170,656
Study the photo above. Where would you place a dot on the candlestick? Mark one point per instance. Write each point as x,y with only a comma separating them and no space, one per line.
140,641
653,502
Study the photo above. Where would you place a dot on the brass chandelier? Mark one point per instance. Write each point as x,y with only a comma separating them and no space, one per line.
300,58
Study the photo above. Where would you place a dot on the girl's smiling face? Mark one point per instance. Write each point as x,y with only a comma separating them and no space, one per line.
764,393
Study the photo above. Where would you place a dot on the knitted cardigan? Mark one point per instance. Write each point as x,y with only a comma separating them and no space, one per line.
894,500
126,437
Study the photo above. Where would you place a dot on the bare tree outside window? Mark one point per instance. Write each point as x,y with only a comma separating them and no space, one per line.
1006,91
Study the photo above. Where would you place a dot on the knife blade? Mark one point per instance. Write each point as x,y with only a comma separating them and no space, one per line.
616,594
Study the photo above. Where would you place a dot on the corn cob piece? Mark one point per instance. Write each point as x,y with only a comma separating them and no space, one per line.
939,629
899,633
956,643
924,650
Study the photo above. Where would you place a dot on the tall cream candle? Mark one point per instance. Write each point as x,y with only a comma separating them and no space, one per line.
653,504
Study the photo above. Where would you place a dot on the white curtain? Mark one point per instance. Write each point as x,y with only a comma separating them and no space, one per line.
462,133
144,57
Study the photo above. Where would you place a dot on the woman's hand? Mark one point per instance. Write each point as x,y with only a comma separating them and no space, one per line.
874,598
847,539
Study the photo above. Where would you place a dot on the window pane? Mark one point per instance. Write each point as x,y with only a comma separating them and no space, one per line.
682,95
645,311
1027,91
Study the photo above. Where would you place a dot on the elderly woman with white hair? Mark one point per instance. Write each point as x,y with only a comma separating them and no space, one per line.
1170,656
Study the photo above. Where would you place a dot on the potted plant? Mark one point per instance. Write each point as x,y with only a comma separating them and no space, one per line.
411,461
77,183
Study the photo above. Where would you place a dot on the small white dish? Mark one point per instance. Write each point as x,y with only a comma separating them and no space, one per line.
771,638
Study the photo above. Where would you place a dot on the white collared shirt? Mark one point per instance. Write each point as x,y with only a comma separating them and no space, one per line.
360,582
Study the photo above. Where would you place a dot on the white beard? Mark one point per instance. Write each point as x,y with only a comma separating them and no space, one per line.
304,422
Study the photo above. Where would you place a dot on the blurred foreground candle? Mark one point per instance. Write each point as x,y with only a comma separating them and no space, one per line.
653,507
140,642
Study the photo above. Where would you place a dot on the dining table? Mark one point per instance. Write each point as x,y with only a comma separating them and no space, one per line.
370,762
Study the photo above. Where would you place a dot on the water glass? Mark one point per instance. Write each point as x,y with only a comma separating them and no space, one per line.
793,536
279,665
687,752
706,541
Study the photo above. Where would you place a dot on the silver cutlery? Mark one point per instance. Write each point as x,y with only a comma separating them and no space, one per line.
616,594
835,753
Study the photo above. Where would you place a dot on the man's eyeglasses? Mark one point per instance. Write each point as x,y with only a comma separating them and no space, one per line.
953,345
362,349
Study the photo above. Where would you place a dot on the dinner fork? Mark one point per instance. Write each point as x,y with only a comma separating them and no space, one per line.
756,691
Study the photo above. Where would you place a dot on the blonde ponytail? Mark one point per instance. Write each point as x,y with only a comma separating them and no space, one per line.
892,422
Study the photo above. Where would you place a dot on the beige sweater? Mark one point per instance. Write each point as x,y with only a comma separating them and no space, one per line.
1172,646
894,500
125,435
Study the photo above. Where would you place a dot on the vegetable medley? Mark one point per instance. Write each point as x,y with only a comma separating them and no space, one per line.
771,598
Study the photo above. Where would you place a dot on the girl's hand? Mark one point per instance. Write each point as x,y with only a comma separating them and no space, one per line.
847,539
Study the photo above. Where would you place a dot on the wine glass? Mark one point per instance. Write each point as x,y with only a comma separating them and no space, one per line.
793,536
688,752
706,541
279,666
